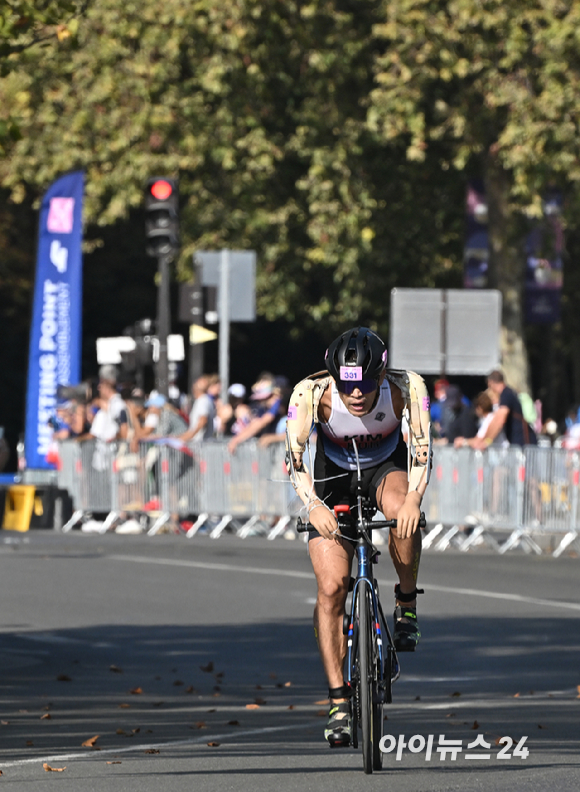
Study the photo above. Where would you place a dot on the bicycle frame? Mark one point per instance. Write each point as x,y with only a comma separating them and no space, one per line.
364,573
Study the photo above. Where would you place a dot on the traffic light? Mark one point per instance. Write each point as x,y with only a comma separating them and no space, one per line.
161,216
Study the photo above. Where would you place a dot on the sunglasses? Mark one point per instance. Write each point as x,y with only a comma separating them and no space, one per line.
364,386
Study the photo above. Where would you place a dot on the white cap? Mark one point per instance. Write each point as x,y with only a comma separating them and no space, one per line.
237,390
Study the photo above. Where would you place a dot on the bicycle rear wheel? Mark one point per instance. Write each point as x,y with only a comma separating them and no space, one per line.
365,694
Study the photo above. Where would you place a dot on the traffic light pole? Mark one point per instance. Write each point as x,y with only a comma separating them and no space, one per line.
163,322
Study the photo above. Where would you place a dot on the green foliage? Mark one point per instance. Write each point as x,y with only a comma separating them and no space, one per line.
497,77
260,108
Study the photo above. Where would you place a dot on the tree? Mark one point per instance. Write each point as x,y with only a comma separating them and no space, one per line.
259,107
494,85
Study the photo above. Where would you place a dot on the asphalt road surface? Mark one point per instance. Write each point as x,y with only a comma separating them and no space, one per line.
191,664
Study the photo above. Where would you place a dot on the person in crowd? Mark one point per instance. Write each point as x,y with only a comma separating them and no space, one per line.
507,417
440,395
111,419
203,412
458,420
235,414
484,410
266,398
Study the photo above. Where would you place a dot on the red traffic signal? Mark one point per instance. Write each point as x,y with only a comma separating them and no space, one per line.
161,216
161,189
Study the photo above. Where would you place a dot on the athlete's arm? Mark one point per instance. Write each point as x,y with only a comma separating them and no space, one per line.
415,398
303,411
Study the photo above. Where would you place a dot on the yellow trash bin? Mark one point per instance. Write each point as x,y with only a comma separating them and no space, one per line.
18,507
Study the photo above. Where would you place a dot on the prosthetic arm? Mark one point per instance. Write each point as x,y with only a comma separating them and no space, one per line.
302,414
416,412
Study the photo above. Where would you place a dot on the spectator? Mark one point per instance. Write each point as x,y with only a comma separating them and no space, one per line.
458,420
484,409
508,416
161,419
111,420
203,412
440,394
235,414
266,398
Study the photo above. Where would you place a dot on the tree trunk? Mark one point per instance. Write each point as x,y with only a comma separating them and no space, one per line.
507,233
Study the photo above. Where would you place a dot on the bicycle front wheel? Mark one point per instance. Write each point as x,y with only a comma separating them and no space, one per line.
365,695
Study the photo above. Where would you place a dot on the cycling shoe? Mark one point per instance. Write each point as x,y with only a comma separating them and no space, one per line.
338,730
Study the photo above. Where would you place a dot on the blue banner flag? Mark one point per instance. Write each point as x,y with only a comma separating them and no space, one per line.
55,333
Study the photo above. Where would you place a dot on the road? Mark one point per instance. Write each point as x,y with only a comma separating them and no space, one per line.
194,665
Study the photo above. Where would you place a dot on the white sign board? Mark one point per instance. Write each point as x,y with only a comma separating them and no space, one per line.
445,331
242,281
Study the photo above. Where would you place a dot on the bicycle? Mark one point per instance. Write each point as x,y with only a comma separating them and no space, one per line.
372,665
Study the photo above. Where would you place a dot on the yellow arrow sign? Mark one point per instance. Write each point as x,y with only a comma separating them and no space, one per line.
199,334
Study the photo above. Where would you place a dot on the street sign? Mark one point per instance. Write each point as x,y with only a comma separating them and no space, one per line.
445,331
242,280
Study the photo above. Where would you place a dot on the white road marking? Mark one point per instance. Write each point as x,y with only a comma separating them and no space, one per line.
156,746
309,576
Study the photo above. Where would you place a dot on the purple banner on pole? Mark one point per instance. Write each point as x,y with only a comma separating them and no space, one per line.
544,268
55,333
476,252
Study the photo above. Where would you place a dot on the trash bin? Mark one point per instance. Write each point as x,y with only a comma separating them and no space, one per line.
18,507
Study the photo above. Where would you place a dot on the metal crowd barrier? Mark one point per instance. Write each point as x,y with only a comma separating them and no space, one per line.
474,497
161,482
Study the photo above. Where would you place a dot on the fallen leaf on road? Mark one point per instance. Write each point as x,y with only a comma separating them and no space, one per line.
136,691
46,716
213,744
190,689
211,710
124,706
417,698
516,695
252,706
90,742
455,695
291,706
259,700
450,715
220,675
29,742
207,668
323,701
199,725
63,678
152,751
233,723
120,731
578,689
287,684
215,695
158,703
541,727
321,713
259,687
178,682
475,725
137,730
113,762
272,675
50,769
4,723
115,669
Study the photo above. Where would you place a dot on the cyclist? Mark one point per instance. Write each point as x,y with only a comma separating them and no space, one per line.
357,407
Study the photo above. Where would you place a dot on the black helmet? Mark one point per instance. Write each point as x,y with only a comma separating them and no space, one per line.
357,347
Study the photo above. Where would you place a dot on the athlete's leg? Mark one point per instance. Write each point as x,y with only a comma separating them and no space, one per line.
406,553
331,561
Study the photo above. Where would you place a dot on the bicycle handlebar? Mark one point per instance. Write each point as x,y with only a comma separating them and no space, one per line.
303,527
